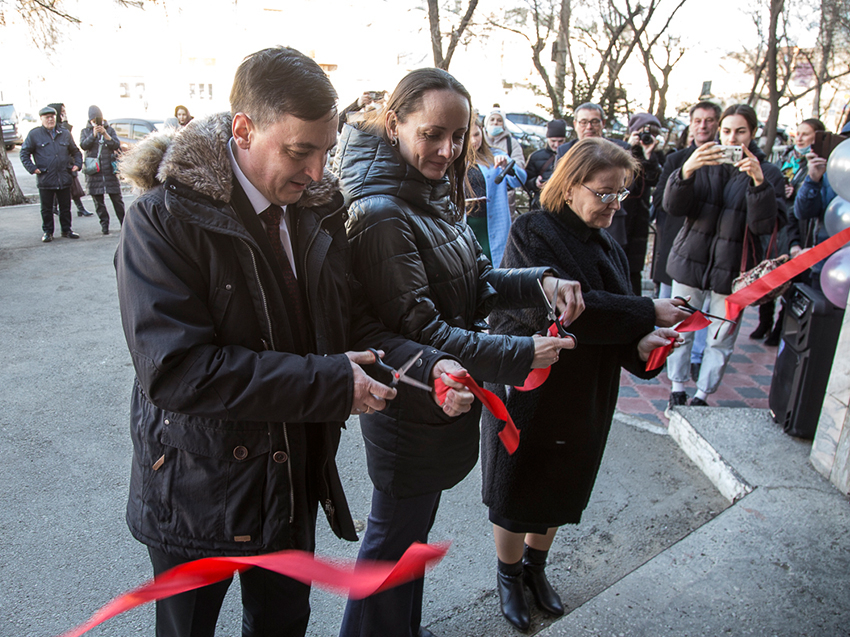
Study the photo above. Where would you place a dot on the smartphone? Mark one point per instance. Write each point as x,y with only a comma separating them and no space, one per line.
731,154
825,142
376,95
98,121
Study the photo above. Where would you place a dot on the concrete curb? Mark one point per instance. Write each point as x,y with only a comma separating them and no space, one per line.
729,482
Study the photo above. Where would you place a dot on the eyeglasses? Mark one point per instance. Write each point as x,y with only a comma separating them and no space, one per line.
584,123
610,197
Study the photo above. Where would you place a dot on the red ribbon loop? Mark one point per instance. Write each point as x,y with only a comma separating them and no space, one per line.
693,323
509,434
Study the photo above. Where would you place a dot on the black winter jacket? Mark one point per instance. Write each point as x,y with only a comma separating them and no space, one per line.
541,163
234,436
427,279
666,226
105,181
54,155
720,202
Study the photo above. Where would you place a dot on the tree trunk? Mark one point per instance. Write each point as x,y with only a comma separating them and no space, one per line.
10,191
436,38
825,38
457,33
772,84
562,56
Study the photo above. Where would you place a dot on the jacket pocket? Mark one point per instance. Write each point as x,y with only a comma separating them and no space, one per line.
213,480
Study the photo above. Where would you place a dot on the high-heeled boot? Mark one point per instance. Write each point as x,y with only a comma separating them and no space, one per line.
776,334
765,320
512,595
534,574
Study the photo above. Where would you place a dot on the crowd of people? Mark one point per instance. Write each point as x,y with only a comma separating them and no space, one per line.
258,287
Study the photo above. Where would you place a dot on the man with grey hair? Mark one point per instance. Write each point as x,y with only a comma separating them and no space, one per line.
247,333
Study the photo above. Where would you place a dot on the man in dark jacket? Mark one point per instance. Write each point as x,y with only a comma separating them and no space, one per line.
49,151
241,318
541,163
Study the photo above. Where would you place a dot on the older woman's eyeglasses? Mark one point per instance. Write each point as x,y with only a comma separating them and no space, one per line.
610,197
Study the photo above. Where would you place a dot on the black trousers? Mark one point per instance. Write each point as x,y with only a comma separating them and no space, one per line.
47,197
394,524
273,605
100,208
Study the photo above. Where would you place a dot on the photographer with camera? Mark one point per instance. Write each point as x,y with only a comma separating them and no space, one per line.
99,141
369,101
541,163
721,200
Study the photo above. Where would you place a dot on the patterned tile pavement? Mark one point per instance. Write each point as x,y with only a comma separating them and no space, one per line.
745,384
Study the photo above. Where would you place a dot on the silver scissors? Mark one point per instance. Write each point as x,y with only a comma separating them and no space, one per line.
552,314
399,375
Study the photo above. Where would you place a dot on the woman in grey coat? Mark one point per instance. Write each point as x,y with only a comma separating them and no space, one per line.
98,139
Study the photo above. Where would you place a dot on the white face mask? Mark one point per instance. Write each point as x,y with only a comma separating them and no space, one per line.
495,131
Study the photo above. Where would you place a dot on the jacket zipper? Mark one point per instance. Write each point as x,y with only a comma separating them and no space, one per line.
271,338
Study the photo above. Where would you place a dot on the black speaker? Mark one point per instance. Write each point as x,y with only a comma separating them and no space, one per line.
801,372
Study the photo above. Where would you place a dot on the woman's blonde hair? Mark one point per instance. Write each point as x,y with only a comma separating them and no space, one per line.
483,155
579,164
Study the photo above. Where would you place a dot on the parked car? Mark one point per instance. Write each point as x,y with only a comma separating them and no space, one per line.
529,141
9,121
529,123
130,130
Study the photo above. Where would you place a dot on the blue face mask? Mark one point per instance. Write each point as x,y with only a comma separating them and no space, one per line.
495,131
803,151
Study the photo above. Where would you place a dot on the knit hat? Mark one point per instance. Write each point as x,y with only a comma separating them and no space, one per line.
95,112
639,120
47,110
496,111
556,128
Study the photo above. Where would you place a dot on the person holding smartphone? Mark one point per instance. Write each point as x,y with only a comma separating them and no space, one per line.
98,140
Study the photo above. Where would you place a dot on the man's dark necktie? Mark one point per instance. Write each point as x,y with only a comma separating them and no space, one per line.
271,218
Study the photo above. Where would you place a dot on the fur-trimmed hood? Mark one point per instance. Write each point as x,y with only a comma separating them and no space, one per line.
196,156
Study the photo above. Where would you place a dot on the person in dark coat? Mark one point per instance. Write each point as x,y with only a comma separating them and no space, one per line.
77,192
425,276
246,331
541,163
49,151
99,140
564,423
721,201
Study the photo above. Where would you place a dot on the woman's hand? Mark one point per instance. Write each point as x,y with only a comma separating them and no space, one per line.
500,161
789,191
816,167
709,154
458,399
547,349
569,302
751,165
658,338
668,312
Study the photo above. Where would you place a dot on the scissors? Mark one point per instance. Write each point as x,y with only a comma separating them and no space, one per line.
690,308
552,315
398,376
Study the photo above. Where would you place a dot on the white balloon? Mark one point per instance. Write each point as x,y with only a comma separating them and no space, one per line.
836,217
835,277
838,169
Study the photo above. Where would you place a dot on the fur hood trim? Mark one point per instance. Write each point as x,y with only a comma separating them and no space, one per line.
196,156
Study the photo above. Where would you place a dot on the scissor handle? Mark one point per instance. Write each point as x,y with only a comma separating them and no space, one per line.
381,365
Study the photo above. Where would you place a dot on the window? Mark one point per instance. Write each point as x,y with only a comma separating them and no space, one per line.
121,129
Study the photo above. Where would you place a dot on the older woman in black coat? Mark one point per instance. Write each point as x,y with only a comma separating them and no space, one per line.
99,140
564,423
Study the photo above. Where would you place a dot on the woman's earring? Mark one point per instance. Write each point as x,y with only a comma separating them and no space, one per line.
393,141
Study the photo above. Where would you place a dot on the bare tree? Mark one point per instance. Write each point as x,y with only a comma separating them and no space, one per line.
10,191
441,61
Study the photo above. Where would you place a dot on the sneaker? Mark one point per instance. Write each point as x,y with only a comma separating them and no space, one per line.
46,237
677,399
697,402
695,367
70,235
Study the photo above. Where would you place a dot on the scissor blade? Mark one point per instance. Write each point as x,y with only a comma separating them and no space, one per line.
409,364
414,383
545,298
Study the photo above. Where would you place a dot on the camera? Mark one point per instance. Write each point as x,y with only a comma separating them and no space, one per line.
376,95
98,121
646,138
731,154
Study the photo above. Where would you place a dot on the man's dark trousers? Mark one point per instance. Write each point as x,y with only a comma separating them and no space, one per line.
63,195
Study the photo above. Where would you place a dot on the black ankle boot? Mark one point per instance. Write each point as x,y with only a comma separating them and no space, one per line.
765,320
512,598
534,575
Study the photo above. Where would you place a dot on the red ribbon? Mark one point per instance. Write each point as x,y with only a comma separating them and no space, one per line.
357,580
693,323
735,303
538,376
509,434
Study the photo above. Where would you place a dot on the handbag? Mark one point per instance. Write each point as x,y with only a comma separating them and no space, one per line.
767,265
92,166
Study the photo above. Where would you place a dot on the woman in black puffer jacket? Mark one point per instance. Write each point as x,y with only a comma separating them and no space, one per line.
424,274
99,140
721,201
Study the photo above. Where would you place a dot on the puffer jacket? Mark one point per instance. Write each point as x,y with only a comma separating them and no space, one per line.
105,181
427,279
53,154
231,431
720,202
